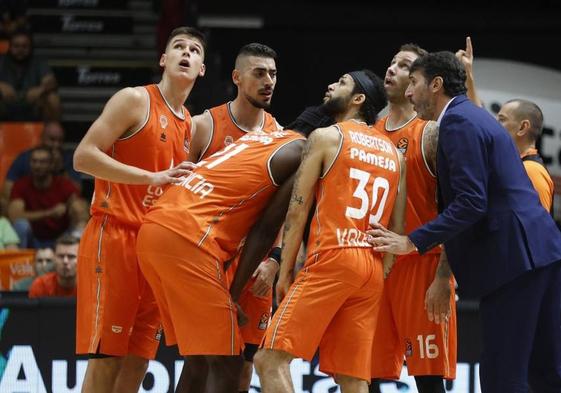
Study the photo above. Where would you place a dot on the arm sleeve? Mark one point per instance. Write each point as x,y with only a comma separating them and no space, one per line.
465,153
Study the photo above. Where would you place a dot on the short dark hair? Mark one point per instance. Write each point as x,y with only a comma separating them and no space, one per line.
42,148
258,50
445,65
66,240
21,31
191,32
375,101
411,47
528,110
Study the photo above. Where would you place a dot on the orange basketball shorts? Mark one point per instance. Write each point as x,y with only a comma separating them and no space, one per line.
332,304
191,291
256,308
404,330
117,313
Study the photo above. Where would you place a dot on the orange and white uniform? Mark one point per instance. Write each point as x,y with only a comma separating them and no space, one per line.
334,301
194,228
404,331
116,312
539,176
224,131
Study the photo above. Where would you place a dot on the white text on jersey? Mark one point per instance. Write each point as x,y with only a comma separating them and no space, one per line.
373,159
197,184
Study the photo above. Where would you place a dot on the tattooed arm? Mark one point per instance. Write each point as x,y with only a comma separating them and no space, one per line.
319,153
437,297
430,145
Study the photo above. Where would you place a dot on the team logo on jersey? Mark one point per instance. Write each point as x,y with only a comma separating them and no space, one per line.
163,121
163,137
228,140
116,329
186,146
408,348
264,321
402,145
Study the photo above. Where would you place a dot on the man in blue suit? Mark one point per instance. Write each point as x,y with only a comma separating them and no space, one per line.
502,245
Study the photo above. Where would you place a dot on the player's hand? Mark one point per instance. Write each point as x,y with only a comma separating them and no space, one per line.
437,300
466,55
264,277
283,285
384,240
242,316
59,210
172,175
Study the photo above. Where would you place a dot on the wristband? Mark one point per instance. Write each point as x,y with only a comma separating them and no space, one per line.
275,254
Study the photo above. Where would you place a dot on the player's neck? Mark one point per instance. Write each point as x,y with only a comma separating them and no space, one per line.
42,182
66,283
351,114
174,94
247,115
399,115
525,147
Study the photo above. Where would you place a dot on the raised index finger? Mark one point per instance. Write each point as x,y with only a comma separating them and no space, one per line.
469,48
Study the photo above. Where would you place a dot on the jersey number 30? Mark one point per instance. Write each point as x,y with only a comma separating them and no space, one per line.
366,205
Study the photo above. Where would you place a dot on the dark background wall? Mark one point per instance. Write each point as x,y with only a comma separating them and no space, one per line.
317,42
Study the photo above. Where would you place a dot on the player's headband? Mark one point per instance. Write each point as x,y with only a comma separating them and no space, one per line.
364,83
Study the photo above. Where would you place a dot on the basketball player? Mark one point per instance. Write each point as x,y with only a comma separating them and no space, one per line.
133,149
200,223
255,77
333,303
417,320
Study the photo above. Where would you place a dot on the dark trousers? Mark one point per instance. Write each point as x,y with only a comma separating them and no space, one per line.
521,330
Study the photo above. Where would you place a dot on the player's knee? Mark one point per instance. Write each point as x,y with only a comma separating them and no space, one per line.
259,361
349,383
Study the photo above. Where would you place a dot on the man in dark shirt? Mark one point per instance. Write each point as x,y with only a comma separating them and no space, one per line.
27,84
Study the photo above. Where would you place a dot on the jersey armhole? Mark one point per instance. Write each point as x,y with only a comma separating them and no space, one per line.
146,117
337,154
427,166
205,149
271,158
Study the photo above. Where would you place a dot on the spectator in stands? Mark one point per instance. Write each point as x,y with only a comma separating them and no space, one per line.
44,263
28,88
9,239
53,137
43,206
12,17
61,282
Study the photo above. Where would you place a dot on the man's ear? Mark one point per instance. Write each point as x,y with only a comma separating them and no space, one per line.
523,128
436,84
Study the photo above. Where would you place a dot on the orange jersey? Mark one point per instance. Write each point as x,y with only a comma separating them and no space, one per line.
47,285
358,189
540,178
217,204
160,143
225,130
421,183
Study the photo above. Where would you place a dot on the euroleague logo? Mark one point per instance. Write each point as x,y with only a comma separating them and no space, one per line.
402,145
228,140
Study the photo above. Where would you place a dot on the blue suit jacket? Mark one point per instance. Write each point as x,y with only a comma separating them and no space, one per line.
492,224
